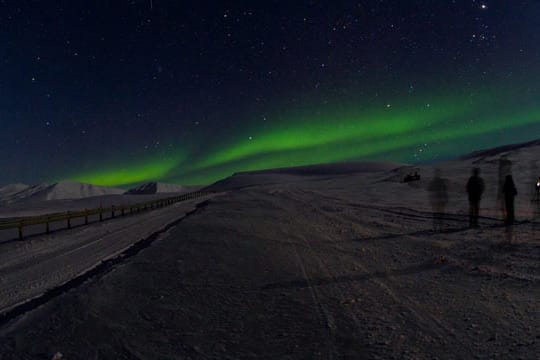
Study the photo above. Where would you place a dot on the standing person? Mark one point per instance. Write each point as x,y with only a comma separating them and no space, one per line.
475,188
505,168
510,192
538,189
537,206
439,199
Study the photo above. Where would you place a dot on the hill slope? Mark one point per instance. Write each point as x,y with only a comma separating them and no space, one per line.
300,173
157,187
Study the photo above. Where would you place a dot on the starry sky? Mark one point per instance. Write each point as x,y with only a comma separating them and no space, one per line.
127,91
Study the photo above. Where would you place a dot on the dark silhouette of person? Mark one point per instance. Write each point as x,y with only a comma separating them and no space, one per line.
509,191
537,202
505,168
475,189
439,198
538,189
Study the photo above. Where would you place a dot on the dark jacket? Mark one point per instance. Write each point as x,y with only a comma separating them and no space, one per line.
509,189
475,188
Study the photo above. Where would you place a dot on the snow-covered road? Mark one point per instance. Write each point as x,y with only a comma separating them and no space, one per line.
31,267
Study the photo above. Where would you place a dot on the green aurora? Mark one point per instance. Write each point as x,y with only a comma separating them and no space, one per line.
445,127
130,174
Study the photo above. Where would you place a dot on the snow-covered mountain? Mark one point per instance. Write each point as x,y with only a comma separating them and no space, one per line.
58,191
11,189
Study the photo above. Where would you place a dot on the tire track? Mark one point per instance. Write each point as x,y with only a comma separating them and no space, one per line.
424,319
327,320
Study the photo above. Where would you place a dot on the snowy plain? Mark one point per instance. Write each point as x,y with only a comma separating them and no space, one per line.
291,265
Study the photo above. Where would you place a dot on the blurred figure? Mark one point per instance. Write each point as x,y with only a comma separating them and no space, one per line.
505,168
533,187
536,210
475,189
509,191
438,196
538,189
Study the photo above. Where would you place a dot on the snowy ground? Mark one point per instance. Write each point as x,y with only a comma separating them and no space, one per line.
342,266
28,268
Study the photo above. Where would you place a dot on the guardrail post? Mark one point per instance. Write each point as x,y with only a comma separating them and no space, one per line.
20,230
85,216
100,214
123,212
69,220
112,211
47,229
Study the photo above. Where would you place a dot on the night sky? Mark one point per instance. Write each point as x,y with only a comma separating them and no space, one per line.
122,92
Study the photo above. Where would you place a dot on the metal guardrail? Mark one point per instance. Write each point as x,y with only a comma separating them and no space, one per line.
113,210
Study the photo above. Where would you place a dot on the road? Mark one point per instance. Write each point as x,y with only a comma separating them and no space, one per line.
33,266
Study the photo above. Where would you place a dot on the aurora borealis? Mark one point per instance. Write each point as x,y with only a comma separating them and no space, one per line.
127,93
